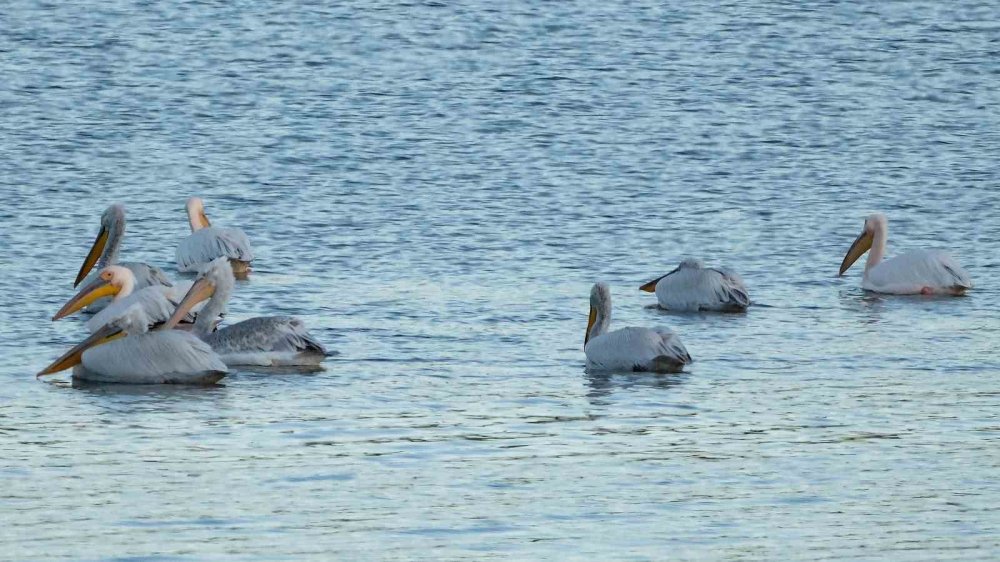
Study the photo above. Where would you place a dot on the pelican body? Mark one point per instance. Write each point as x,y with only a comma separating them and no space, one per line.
159,357
692,287
265,341
628,349
926,272
104,252
156,301
208,242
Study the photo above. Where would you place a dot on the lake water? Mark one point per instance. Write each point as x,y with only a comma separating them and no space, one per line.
434,189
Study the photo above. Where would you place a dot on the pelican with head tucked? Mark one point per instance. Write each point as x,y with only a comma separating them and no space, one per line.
104,252
926,272
628,349
117,282
208,242
692,287
163,356
266,340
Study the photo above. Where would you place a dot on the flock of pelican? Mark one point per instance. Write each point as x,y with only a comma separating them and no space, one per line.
145,329
692,288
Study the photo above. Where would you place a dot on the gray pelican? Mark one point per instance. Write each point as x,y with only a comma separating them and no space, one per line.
208,242
265,340
104,252
162,356
926,272
628,349
157,302
692,287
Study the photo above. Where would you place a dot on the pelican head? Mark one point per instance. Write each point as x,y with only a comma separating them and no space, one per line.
600,308
74,356
875,225
112,229
196,214
114,281
215,280
131,321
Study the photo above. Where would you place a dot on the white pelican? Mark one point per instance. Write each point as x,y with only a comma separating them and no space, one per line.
926,272
159,357
692,287
265,340
157,302
208,242
628,349
104,252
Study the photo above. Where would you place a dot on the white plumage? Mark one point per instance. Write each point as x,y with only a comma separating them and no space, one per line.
207,242
919,272
629,349
156,301
142,357
692,287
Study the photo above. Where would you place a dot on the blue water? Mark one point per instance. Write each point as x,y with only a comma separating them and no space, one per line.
433,189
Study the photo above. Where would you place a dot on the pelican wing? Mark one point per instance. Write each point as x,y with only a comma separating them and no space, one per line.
265,340
166,356
637,349
691,289
207,244
913,272
157,302
147,275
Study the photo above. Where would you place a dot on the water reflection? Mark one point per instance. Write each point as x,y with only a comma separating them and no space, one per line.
602,385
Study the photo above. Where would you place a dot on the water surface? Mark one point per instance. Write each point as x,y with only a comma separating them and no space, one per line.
434,189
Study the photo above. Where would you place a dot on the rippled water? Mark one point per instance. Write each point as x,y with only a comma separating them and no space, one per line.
434,189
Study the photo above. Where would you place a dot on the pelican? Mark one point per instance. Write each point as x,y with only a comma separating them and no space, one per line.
104,252
157,302
159,357
692,287
924,272
265,340
628,349
208,242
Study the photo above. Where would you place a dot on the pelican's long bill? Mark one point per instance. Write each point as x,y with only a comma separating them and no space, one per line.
590,324
651,286
95,252
201,290
74,356
92,291
858,249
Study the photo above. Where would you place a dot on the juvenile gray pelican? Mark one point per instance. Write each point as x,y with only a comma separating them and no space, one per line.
159,357
926,272
628,349
208,242
118,283
692,287
265,340
104,252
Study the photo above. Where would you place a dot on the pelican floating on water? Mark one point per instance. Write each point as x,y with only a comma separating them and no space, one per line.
208,242
692,287
163,356
265,340
628,349
104,252
157,302
927,272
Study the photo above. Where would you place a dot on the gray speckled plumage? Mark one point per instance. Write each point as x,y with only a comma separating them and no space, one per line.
265,340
